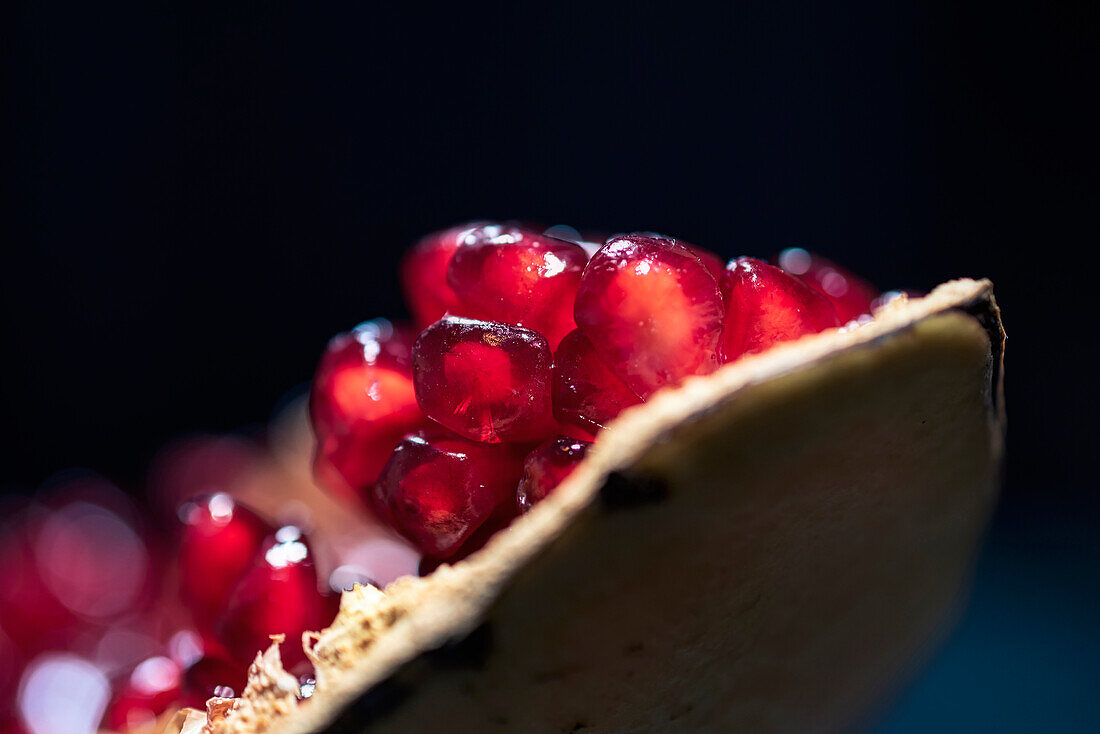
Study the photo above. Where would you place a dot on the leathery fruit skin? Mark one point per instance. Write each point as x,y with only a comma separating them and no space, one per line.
652,310
484,380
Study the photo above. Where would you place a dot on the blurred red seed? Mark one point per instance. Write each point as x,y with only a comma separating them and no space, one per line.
850,295
766,306
278,594
219,542
484,380
424,274
153,686
361,403
198,466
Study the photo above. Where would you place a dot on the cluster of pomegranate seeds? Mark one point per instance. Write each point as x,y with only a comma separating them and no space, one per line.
529,344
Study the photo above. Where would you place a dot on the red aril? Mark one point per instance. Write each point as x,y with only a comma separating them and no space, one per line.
32,616
546,467
361,402
437,489
424,274
585,392
765,306
279,594
212,675
484,380
219,542
516,276
652,310
850,295
145,694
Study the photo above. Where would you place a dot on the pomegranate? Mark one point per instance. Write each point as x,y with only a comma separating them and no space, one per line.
484,380
765,306
278,594
546,467
850,295
219,542
515,276
652,310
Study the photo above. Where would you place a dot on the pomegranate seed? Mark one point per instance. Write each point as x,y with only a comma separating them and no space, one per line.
586,393
361,404
652,311
210,675
515,276
766,305
11,668
219,542
546,467
424,274
151,688
29,611
279,594
197,466
850,295
485,381
437,489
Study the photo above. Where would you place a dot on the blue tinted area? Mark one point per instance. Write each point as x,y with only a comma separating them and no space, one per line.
1026,655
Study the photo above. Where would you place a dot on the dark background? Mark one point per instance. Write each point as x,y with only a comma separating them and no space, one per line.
195,200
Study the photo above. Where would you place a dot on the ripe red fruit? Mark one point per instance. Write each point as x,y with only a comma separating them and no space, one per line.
212,675
652,311
586,393
30,613
765,306
145,694
485,381
515,276
361,403
424,274
279,594
438,489
850,295
546,467
219,542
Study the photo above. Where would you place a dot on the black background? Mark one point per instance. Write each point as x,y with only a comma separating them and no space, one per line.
197,199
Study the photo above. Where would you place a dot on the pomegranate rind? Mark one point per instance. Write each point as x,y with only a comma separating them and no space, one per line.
773,546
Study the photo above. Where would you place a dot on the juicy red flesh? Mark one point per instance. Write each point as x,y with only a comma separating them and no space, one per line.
765,306
546,467
424,274
437,490
362,402
220,540
211,675
485,381
148,691
515,276
585,392
278,594
652,310
850,295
